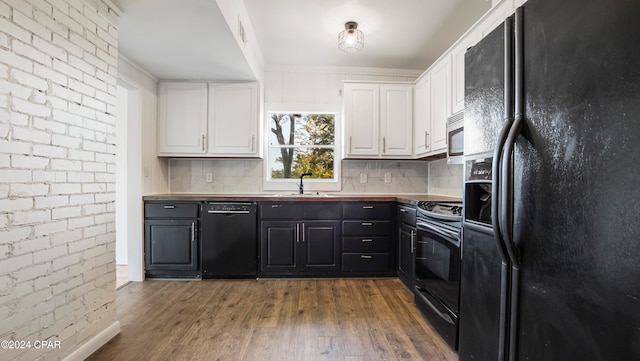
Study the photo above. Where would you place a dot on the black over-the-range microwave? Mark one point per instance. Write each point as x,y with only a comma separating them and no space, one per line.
455,138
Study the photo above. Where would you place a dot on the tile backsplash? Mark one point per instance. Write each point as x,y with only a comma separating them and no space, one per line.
246,176
445,179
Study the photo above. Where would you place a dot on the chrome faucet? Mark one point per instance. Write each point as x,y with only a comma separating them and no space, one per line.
301,186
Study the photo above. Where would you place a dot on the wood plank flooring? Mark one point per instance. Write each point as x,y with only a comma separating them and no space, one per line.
272,319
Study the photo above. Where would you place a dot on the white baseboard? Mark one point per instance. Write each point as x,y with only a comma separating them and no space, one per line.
91,346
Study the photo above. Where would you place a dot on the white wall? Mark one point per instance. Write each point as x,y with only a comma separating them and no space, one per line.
321,85
58,68
155,170
147,174
121,176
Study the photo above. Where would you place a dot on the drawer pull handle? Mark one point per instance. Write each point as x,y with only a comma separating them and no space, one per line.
367,207
169,207
367,240
366,257
367,224
402,210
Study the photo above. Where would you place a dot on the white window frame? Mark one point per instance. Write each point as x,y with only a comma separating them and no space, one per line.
311,185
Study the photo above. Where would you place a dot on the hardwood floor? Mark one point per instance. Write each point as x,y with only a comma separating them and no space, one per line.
272,319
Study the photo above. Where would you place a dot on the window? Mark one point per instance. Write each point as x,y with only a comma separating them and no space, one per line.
300,143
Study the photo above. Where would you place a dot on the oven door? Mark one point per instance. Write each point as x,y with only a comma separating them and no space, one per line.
437,262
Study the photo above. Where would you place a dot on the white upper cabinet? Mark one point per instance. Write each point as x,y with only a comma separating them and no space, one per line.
396,115
432,108
233,119
378,120
440,104
457,70
362,118
208,120
422,116
182,118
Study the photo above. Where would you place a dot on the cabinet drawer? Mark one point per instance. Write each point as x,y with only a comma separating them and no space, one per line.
366,228
407,215
365,244
365,262
300,211
171,210
366,211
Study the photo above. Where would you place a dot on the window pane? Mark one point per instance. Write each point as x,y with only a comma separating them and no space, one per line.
318,129
301,129
289,162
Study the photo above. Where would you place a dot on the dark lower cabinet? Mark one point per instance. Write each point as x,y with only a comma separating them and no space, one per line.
369,263
369,245
171,240
299,238
406,243
299,247
406,239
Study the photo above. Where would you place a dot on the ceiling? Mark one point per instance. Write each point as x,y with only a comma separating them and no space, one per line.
190,39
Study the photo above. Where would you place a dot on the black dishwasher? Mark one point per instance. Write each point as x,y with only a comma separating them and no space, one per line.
229,247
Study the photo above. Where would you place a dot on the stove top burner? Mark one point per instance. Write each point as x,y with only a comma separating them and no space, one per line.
447,209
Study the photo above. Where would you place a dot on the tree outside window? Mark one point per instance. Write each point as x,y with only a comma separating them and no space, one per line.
301,143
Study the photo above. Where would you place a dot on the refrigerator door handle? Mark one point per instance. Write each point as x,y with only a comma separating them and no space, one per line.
497,185
512,248
507,189
506,193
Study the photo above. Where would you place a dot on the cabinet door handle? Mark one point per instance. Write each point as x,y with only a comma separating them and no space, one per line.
203,138
384,144
303,240
253,143
367,207
169,207
412,245
366,257
367,240
350,143
367,224
298,233
193,231
426,140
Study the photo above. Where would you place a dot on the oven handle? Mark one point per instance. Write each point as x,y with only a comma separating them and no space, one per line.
451,236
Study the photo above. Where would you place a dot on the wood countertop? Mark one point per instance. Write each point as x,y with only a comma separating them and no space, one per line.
311,197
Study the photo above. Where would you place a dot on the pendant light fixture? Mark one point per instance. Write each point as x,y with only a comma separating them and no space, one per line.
351,40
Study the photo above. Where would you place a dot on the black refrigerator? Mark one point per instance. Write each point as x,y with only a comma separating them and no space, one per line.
550,264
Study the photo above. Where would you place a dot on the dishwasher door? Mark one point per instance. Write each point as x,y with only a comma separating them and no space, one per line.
229,245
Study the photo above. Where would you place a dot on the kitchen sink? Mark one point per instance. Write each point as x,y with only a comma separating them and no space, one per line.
303,195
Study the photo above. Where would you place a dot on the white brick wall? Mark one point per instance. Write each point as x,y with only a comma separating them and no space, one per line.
58,67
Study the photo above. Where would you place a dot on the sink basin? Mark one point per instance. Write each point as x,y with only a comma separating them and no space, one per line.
303,195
